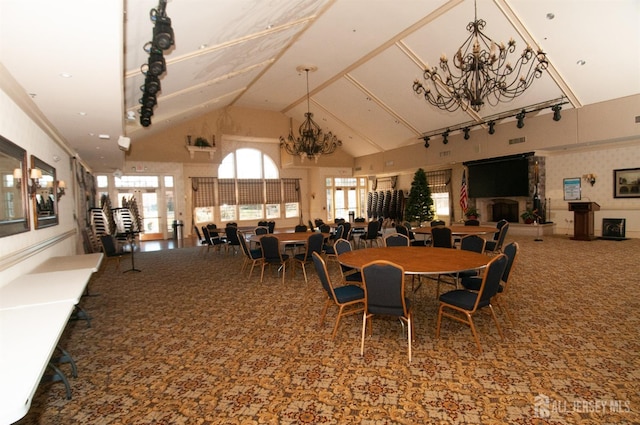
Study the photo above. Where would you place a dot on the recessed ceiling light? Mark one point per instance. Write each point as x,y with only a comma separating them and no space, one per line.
104,136
65,75
83,114
550,16
581,62
203,46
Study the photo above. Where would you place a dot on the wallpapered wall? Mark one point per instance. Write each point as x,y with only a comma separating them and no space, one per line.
601,162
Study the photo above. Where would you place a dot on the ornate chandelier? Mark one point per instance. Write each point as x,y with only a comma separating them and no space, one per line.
481,73
312,141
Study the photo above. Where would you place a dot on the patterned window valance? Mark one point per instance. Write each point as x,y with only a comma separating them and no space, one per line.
227,191
439,181
204,191
273,190
291,189
250,191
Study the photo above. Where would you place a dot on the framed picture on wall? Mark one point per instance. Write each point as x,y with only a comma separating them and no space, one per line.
626,183
572,189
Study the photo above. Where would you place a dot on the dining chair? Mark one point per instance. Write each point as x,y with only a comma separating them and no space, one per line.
232,238
495,246
314,244
473,283
396,239
253,256
349,274
461,305
329,248
295,247
110,251
202,242
472,243
272,255
349,298
211,241
371,235
260,230
384,295
441,237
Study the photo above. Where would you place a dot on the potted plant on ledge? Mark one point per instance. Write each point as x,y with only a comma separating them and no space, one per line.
471,213
529,215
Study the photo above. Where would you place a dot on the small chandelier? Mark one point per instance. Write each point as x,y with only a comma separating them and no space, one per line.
312,141
481,72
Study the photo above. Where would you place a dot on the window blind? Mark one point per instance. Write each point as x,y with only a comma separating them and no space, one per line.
250,191
439,181
227,191
203,191
274,194
291,189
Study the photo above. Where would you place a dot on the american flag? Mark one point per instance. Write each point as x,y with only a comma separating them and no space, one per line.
463,192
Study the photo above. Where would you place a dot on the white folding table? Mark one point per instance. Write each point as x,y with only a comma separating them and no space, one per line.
28,338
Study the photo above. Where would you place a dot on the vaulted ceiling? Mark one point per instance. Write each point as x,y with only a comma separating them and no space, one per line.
80,62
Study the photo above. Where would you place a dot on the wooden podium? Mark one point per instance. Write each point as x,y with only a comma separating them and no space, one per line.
583,220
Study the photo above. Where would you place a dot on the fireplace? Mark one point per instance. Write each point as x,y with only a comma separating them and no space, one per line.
496,209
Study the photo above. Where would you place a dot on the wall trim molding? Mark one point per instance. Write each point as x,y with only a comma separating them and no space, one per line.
21,255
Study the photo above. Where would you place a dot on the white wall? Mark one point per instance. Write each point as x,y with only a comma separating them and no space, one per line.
600,161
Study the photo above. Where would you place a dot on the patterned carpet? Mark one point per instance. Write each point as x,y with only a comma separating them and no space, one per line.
190,340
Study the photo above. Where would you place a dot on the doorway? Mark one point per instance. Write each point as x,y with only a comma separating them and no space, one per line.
153,225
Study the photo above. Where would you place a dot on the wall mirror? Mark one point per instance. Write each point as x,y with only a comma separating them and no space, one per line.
14,217
43,193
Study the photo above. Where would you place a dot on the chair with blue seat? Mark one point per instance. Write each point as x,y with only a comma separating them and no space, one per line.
495,246
396,239
272,255
314,244
232,238
472,243
211,241
441,237
253,256
349,274
349,298
461,304
372,234
329,248
384,295
473,283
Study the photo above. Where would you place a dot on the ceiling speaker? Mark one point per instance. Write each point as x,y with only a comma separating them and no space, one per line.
124,143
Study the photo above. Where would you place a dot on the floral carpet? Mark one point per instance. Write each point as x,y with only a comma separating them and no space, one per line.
191,340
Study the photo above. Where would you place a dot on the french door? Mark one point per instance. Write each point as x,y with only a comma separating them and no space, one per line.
153,224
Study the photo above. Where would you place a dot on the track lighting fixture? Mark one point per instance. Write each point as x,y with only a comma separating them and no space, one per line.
163,39
490,122
556,112
520,118
445,137
426,141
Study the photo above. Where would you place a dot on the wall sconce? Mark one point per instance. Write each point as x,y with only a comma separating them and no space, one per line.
60,191
426,141
35,175
591,178
17,177
492,127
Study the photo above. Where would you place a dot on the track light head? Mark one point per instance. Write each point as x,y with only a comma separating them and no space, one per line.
520,118
426,141
556,112
151,85
492,127
163,33
156,65
445,137
466,133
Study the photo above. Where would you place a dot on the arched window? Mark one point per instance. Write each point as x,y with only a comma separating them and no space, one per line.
249,188
247,163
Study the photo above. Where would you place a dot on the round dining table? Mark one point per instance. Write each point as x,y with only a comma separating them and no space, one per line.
418,259
460,230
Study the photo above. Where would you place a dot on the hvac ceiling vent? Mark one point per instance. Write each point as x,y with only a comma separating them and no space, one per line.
517,140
